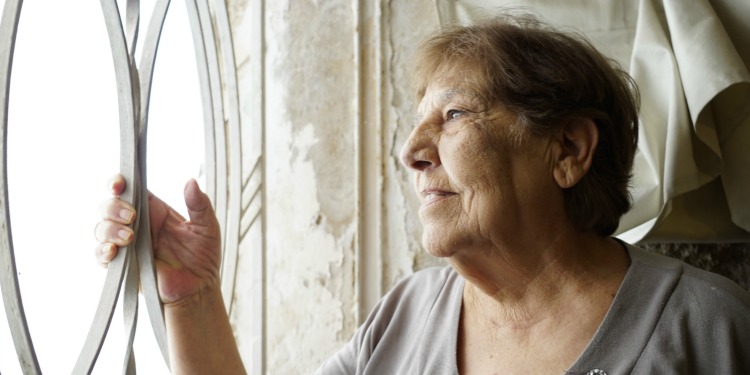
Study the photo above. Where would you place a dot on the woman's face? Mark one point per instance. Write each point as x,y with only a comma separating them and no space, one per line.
480,187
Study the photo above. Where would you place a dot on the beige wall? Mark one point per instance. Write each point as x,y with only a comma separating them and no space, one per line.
340,223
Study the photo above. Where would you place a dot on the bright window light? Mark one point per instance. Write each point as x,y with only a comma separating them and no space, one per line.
63,145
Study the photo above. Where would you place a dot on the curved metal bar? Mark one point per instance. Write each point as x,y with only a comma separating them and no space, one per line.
143,240
132,23
127,108
134,91
209,120
218,134
231,247
130,313
8,276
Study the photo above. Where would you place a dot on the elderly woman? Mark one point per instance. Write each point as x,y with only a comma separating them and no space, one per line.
522,152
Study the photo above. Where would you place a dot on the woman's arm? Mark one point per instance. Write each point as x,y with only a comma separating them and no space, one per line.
200,337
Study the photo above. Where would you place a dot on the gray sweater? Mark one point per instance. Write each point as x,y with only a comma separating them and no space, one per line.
667,318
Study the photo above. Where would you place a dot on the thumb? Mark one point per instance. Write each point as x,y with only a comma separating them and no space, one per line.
199,206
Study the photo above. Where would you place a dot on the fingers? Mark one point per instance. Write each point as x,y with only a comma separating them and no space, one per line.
117,210
116,185
105,253
110,235
107,231
113,230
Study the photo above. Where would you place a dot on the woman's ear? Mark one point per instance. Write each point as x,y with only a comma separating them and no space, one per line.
578,142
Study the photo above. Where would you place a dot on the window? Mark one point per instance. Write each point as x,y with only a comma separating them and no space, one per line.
63,137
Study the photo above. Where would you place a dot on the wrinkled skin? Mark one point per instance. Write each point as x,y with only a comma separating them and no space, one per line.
479,186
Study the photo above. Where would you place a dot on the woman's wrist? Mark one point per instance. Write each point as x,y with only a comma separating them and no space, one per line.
201,336
207,296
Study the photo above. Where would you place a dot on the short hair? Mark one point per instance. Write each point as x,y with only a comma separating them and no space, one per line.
546,77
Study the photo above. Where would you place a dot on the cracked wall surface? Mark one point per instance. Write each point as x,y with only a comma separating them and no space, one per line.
309,182
312,109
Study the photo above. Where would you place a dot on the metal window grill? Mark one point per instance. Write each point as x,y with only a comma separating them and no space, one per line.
214,52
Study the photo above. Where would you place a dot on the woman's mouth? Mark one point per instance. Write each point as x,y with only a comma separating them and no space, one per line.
433,196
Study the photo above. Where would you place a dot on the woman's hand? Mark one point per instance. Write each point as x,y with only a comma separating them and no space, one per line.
187,254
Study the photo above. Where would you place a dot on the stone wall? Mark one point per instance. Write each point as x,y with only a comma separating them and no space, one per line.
731,260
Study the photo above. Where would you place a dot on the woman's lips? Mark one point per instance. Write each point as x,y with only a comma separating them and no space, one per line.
432,196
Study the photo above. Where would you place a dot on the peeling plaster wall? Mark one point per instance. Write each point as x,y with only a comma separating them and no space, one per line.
310,182
312,107
310,215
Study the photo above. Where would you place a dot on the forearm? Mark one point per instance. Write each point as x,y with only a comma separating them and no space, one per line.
200,336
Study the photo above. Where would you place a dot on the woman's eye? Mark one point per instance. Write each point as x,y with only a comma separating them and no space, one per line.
453,114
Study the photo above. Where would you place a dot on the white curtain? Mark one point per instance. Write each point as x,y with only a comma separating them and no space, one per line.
691,60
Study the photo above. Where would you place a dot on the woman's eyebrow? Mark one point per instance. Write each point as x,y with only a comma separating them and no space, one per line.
445,97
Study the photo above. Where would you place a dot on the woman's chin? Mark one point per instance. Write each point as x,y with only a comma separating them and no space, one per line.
437,248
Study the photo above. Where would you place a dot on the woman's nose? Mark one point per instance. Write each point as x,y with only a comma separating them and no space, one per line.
420,150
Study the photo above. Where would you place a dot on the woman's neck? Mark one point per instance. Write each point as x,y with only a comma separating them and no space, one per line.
523,286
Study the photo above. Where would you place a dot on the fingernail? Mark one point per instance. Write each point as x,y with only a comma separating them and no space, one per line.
124,234
126,215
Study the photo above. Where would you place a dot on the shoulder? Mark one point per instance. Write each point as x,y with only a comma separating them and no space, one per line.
422,285
703,321
413,298
694,283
